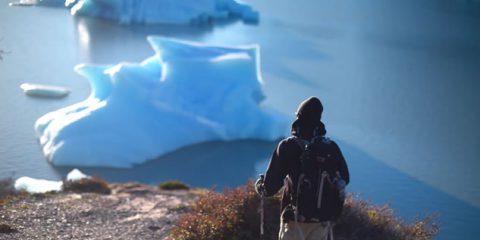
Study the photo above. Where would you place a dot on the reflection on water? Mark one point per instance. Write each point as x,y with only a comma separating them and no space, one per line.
102,41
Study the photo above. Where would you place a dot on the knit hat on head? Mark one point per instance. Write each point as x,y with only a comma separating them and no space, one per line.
308,124
310,109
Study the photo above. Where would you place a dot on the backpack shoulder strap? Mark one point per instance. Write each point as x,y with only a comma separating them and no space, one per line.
326,140
300,142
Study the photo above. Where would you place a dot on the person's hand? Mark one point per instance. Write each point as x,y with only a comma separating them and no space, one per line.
259,185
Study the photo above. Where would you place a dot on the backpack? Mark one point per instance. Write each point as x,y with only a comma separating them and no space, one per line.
319,193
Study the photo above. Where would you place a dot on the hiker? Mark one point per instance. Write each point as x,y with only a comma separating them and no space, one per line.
312,172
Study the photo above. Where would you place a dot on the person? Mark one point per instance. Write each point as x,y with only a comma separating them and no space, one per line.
304,216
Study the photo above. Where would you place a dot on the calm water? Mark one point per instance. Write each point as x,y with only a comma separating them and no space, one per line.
399,81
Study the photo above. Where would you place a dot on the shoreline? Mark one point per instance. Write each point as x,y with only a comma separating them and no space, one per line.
91,208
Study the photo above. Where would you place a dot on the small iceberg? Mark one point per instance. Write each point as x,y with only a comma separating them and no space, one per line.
44,91
155,11
36,2
187,93
163,11
76,175
33,185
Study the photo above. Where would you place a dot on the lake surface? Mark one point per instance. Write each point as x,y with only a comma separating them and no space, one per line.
400,82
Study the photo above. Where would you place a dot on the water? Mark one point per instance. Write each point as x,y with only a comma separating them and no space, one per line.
398,79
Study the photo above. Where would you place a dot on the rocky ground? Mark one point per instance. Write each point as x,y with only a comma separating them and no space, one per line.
131,211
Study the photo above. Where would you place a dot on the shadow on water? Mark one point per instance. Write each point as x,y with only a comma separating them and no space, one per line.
220,164
380,183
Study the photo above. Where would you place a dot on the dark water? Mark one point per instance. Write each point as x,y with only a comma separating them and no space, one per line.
399,81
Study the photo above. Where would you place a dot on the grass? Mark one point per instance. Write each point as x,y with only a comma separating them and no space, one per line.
173,185
90,184
233,215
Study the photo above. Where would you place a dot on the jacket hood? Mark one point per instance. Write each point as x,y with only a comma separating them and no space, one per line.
308,123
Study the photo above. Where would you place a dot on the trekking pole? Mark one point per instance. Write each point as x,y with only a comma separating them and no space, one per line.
261,192
262,215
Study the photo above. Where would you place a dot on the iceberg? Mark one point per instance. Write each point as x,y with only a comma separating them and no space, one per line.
51,3
75,175
187,93
33,185
38,90
163,11
154,11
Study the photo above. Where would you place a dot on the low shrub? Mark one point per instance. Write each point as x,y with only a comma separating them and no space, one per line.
90,184
234,215
5,228
362,220
7,187
173,185
230,215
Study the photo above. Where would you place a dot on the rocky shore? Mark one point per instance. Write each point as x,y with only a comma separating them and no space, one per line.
90,208
131,211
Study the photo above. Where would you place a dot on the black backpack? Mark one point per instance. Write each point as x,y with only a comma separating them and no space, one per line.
318,194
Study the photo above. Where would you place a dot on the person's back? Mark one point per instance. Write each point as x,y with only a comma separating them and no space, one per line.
311,168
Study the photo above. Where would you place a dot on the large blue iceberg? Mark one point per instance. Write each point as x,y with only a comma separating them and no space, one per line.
163,11
186,93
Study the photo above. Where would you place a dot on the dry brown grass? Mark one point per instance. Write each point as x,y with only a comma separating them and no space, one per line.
90,184
173,185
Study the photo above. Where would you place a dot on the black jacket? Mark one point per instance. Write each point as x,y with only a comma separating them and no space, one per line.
285,159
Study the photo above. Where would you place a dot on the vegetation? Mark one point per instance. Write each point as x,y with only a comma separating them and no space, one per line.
5,228
173,185
218,216
234,215
90,184
7,187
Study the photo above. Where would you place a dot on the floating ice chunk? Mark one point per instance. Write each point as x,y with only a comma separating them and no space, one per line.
33,185
23,3
37,90
76,175
238,8
185,94
37,2
163,11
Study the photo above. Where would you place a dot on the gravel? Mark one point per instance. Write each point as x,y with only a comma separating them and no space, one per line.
132,211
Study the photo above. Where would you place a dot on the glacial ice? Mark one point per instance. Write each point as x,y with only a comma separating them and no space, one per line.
34,185
163,11
46,91
185,94
75,175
